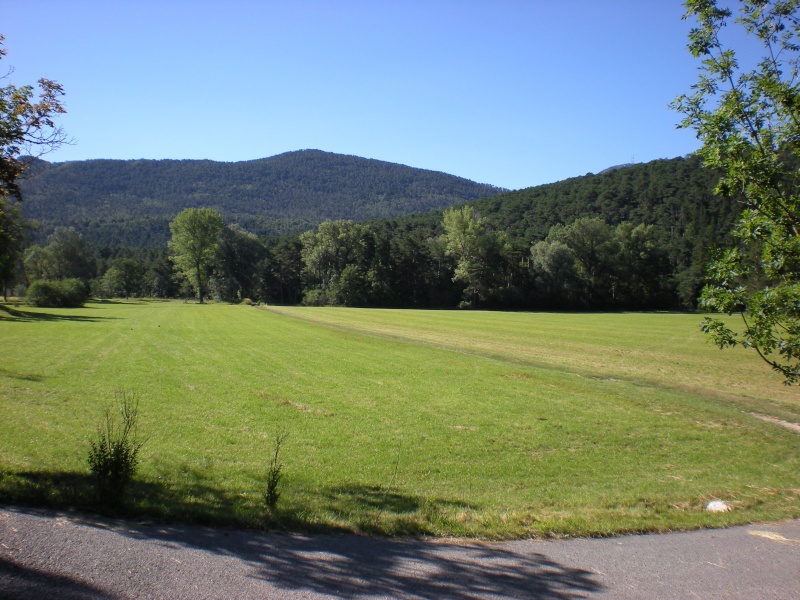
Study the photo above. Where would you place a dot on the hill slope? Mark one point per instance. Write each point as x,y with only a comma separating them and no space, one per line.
130,202
676,195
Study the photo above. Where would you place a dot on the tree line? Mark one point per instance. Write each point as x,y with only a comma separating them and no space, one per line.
464,260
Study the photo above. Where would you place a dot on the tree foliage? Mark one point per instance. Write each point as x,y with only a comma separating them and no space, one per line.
125,277
195,238
478,252
748,119
238,264
67,255
26,125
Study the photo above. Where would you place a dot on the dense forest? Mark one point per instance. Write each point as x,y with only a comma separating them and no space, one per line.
130,202
631,238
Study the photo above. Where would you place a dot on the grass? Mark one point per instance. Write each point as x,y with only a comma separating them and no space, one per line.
494,425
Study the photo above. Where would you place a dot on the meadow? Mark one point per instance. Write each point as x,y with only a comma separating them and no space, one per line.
453,423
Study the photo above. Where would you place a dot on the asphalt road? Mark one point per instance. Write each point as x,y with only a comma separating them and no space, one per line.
67,556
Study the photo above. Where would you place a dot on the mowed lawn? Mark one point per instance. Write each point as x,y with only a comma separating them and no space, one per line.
445,423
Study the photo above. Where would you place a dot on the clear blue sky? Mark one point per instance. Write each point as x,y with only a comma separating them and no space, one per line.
509,92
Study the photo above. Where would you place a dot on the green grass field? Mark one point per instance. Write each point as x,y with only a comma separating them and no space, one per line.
400,422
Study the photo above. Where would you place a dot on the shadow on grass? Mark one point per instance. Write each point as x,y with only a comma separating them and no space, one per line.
116,301
19,316
371,498
21,376
195,498
352,566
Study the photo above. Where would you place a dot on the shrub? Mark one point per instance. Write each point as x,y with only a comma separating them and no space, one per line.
274,474
114,455
66,293
316,298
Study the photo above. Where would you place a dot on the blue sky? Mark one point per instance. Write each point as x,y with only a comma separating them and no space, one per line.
508,92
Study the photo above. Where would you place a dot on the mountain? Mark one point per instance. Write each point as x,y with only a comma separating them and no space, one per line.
130,202
676,195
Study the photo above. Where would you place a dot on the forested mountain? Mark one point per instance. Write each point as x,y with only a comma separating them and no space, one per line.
130,202
673,195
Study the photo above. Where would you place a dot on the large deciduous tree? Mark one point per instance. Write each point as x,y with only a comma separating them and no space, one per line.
748,119
195,238
479,252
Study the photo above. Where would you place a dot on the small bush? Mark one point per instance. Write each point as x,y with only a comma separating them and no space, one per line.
316,298
66,293
114,455
274,474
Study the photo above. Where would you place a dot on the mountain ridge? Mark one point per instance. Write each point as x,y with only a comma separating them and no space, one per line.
282,194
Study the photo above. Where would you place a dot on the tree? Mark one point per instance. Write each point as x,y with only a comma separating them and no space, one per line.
11,244
37,263
594,248
70,255
26,126
195,237
282,275
67,256
125,277
556,274
333,247
478,252
749,123
238,263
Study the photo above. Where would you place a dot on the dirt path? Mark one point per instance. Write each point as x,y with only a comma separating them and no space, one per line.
66,556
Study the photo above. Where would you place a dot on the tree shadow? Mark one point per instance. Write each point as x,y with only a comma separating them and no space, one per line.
374,498
23,583
353,566
21,376
20,316
331,560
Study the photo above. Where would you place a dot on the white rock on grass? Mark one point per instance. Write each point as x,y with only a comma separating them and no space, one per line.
717,506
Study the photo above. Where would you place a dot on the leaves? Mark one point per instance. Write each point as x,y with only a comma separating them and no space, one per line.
749,123
195,237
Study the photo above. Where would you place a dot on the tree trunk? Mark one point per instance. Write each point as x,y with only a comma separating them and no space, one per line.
199,285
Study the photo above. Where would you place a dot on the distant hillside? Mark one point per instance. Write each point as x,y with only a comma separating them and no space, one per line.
130,202
675,195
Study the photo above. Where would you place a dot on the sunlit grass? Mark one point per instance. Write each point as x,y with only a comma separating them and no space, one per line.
664,349
449,423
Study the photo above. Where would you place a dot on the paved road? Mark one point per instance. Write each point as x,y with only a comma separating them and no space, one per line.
66,556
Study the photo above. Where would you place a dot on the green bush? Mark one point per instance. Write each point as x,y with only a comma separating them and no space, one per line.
316,298
66,293
114,454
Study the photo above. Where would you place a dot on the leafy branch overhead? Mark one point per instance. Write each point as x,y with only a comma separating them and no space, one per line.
749,123
27,126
